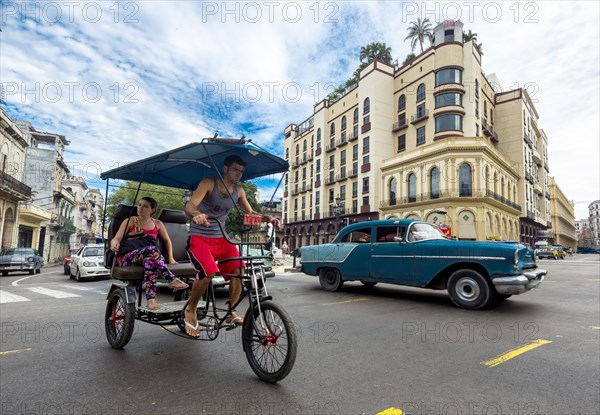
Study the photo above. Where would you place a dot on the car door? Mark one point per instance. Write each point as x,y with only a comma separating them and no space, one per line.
353,253
391,260
75,259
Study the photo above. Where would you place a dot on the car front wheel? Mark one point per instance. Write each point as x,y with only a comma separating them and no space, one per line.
330,279
469,289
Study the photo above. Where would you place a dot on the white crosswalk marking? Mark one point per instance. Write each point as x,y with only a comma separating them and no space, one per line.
52,293
75,287
6,297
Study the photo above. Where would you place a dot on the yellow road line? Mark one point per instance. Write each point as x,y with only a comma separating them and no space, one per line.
391,411
15,351
514,353
347,301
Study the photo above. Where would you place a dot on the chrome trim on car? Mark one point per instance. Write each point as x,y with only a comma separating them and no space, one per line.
484,258
518,284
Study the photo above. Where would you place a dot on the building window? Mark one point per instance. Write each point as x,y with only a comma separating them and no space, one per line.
287,153
444,100
355,152
476,88
304,146
317,198
412,188
421,112
343,127
366,201
355,131
448,122
355,189
421,92
420,136
392,191
449,35
402,119
343,157
477,130
365,185
366,145
366,159
402,103
366,106
464,174
319,135
448,76
401,143
332,129
355,118
434,183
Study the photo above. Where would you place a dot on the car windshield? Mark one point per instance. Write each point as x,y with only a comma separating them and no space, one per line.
92,252
422,231
17,251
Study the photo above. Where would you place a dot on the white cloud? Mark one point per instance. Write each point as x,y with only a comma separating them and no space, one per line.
189,69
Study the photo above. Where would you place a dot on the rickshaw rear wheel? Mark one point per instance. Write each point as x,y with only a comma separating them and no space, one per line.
270,341
119,319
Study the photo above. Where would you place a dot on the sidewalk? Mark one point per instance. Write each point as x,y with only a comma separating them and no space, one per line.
286,265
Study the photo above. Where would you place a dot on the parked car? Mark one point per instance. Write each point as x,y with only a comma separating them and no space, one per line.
67,261
20,260
415,253
547,252
88,262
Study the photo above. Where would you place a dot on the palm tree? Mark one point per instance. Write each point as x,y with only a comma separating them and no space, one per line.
408,58
376,50
418,31
467,37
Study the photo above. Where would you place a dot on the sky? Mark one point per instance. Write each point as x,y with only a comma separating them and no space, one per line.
125,80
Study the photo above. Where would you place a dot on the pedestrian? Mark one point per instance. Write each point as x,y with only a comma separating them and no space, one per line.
284,249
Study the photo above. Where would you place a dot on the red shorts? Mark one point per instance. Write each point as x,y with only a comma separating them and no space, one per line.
204,252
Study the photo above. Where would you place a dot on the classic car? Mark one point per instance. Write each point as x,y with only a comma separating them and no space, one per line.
418,254
548,252
88,262
20,260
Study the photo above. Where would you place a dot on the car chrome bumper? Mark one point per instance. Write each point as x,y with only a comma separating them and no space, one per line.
519,284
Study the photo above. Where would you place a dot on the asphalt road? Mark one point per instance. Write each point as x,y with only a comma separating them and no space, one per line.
361,351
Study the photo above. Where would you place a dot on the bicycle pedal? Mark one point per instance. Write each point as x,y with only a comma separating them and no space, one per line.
230,326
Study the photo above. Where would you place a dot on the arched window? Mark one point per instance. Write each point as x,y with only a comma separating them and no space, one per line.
343,123
392,191
297,149
421,92
402,103
495,182
487,178
434,183
412,188
332,129
366,106
304,146
318,135
355,118
464,174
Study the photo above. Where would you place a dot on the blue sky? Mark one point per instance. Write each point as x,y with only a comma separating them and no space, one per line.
124,80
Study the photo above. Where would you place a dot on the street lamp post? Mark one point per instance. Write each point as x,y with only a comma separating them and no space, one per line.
338,210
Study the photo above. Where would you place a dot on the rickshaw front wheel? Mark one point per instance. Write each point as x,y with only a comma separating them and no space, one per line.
270,341
119,319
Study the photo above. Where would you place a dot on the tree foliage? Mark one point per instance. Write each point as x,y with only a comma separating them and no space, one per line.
419,31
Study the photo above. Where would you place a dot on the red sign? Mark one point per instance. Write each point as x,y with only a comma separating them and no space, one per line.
252,220
447,230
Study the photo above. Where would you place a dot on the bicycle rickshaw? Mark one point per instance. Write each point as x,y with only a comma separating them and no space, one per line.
268,333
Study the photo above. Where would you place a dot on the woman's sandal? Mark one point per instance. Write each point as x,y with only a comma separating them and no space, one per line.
182,285
237,320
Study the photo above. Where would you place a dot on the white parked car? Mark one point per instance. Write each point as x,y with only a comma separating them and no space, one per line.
88,262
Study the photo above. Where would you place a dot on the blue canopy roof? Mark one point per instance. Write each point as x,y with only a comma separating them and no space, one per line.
185,166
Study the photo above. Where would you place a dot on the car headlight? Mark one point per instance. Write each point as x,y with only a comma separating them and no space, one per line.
516,257
89,264
30,259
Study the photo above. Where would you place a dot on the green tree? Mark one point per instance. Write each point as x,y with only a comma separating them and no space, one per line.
166,197
409,58
418,31
234,223
467,37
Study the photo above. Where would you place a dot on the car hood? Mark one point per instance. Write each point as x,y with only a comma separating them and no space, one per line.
15,258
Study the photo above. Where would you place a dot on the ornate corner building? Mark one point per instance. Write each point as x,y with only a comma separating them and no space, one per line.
435,139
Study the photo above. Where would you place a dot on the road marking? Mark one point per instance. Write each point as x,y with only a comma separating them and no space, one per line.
6,297
595,327
53,293
75,287
15,351
514,353
391,411
16,283
347,301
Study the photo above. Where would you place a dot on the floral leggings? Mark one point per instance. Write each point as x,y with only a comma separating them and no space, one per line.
153,262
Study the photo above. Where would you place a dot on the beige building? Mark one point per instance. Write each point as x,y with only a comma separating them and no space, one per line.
13,145
563,217
430,140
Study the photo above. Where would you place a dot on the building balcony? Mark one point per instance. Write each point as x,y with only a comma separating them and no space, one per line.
352,137
488,131
318,151
528,141
341,142
31,211
330,147
330,179
529,177
353,173
14,187
419,116
366,127
546,167
538,189
502,199
400,125
536,157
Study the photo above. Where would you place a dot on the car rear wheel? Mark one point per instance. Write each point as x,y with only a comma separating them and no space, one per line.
78,276
469,289
330,279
